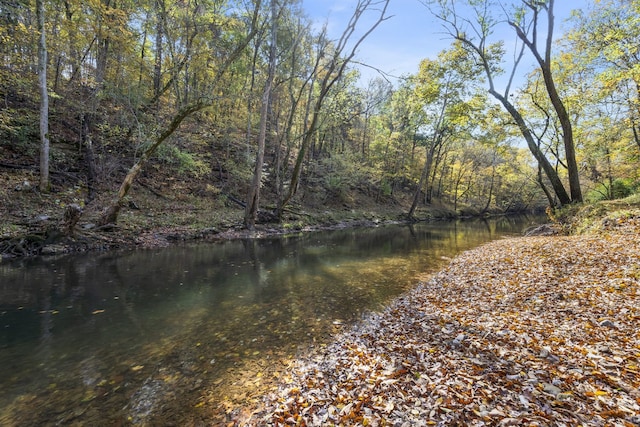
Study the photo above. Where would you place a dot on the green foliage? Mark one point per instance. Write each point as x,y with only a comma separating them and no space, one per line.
19,130
335,184
374,141
621,188
386,188
341,174
184,161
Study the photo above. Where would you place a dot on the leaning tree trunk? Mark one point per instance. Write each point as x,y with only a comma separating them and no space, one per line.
547,167
546,191
563,116
110,215
554,97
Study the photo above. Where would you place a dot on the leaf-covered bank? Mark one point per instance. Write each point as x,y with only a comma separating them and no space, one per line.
524,331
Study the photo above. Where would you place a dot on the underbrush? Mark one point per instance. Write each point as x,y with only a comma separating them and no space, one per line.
598,216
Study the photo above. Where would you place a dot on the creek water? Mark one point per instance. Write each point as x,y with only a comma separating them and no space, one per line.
192,334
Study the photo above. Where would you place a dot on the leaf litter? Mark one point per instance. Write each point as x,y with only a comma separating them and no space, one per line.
529,331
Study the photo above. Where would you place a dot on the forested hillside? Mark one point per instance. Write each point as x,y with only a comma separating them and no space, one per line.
204,113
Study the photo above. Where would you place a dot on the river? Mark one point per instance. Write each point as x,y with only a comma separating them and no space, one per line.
193,334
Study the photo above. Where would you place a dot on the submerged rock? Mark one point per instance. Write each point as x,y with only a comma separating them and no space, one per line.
145,400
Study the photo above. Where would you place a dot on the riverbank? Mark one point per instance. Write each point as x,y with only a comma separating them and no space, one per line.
34,223
522,331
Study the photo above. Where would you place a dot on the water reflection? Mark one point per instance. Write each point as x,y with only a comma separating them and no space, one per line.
150,336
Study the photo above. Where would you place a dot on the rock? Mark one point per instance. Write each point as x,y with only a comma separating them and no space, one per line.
541,230
25,186
43,218
458,340
551,389
607,323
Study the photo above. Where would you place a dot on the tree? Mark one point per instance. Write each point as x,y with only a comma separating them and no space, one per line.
192,104
474,36
376,94
393,149
253,198
44,97
527,32
606,43
444,92
330,64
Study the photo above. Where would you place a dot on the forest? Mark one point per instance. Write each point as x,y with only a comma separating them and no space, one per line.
136,124
206,113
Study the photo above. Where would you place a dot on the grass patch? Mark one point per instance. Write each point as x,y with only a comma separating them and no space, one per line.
595,217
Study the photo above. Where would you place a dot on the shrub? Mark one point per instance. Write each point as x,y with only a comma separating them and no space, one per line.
185,162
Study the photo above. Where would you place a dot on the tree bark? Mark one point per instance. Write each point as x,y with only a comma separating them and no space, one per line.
253,198
554,97
426,172
44,98
110,215
157,65
493,178
547,167
89,157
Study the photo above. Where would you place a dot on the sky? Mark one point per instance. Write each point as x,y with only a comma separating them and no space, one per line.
399,44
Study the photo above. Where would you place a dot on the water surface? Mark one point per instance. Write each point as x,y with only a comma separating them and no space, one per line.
194,334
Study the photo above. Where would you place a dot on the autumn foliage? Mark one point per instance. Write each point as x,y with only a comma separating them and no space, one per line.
525,331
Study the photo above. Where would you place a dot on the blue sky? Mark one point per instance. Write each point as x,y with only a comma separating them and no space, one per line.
412,34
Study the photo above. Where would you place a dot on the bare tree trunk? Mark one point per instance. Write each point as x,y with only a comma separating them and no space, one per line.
44,99
547,193
89,157
103,43
611,194
547,167
493,178
76,58
253,198
157,66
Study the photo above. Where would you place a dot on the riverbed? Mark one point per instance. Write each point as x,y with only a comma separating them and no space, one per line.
195,333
